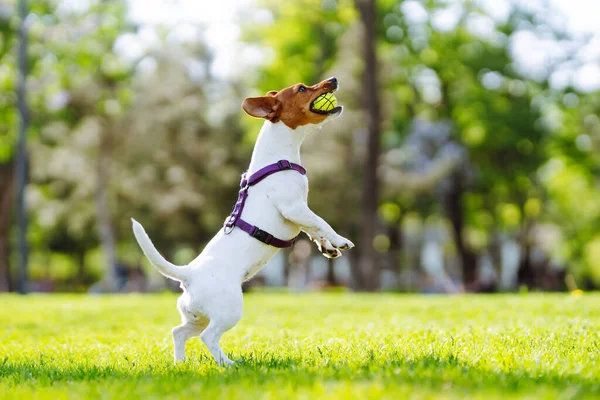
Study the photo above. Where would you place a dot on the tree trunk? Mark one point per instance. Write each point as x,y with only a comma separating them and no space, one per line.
331,281
395,251
287,265
454,211
105,227
21,155
6,195
495,249
368,264
355,273
526,273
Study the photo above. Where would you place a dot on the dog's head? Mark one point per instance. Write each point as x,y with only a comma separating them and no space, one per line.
294,105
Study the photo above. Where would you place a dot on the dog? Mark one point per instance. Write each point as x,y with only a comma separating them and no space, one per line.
212,301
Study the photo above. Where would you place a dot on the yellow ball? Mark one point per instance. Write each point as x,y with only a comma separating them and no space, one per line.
325,102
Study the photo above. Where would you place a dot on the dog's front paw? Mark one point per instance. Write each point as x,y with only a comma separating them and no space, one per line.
335,253
342,243
327,249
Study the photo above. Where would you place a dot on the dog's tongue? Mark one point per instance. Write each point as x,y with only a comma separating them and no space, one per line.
325,102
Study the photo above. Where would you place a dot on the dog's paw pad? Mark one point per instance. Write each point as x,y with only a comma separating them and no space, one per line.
332,253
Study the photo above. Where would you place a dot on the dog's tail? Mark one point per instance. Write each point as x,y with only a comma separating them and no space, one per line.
163,266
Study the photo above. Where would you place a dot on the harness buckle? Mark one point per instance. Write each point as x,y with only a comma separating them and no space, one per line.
261,235
282,165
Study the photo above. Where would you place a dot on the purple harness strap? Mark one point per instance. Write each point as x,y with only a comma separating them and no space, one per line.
235,219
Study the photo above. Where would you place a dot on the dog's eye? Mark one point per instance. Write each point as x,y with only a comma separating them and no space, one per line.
302,89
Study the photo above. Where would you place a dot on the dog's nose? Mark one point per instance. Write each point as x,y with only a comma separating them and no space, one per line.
333,80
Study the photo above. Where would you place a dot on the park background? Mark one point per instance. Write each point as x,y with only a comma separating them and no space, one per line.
467,157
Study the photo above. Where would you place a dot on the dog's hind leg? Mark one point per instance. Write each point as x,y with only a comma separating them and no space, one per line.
182,333
211,338
221,322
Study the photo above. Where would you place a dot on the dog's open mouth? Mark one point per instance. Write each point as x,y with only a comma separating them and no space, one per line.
325,104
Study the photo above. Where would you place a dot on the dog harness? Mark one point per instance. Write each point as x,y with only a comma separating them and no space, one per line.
235,219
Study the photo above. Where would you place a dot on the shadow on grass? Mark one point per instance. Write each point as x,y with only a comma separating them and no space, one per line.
432,371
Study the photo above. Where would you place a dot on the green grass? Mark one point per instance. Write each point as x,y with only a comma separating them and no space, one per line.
307,346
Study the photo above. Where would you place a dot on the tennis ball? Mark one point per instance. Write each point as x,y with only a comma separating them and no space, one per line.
325,102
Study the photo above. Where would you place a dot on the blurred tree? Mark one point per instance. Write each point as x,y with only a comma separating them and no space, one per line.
570,176
368,263
464,75
14,59
6,191
465,136
469,79
152,134
306,52
182,130
318,45
21,156
84,88
7,135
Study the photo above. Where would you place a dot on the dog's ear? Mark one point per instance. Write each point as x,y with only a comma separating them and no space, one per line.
272,93
266,107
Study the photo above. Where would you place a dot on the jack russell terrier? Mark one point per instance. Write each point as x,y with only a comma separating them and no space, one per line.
273,196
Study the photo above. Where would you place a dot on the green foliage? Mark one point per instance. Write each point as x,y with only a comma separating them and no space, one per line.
531,150
306,346
513,128
79,91
303,41
570,176
162,132
489,104
191,139
8,78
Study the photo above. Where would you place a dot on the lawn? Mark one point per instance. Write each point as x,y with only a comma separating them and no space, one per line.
308,346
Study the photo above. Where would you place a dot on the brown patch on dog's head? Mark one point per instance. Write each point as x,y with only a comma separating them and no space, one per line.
292,105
